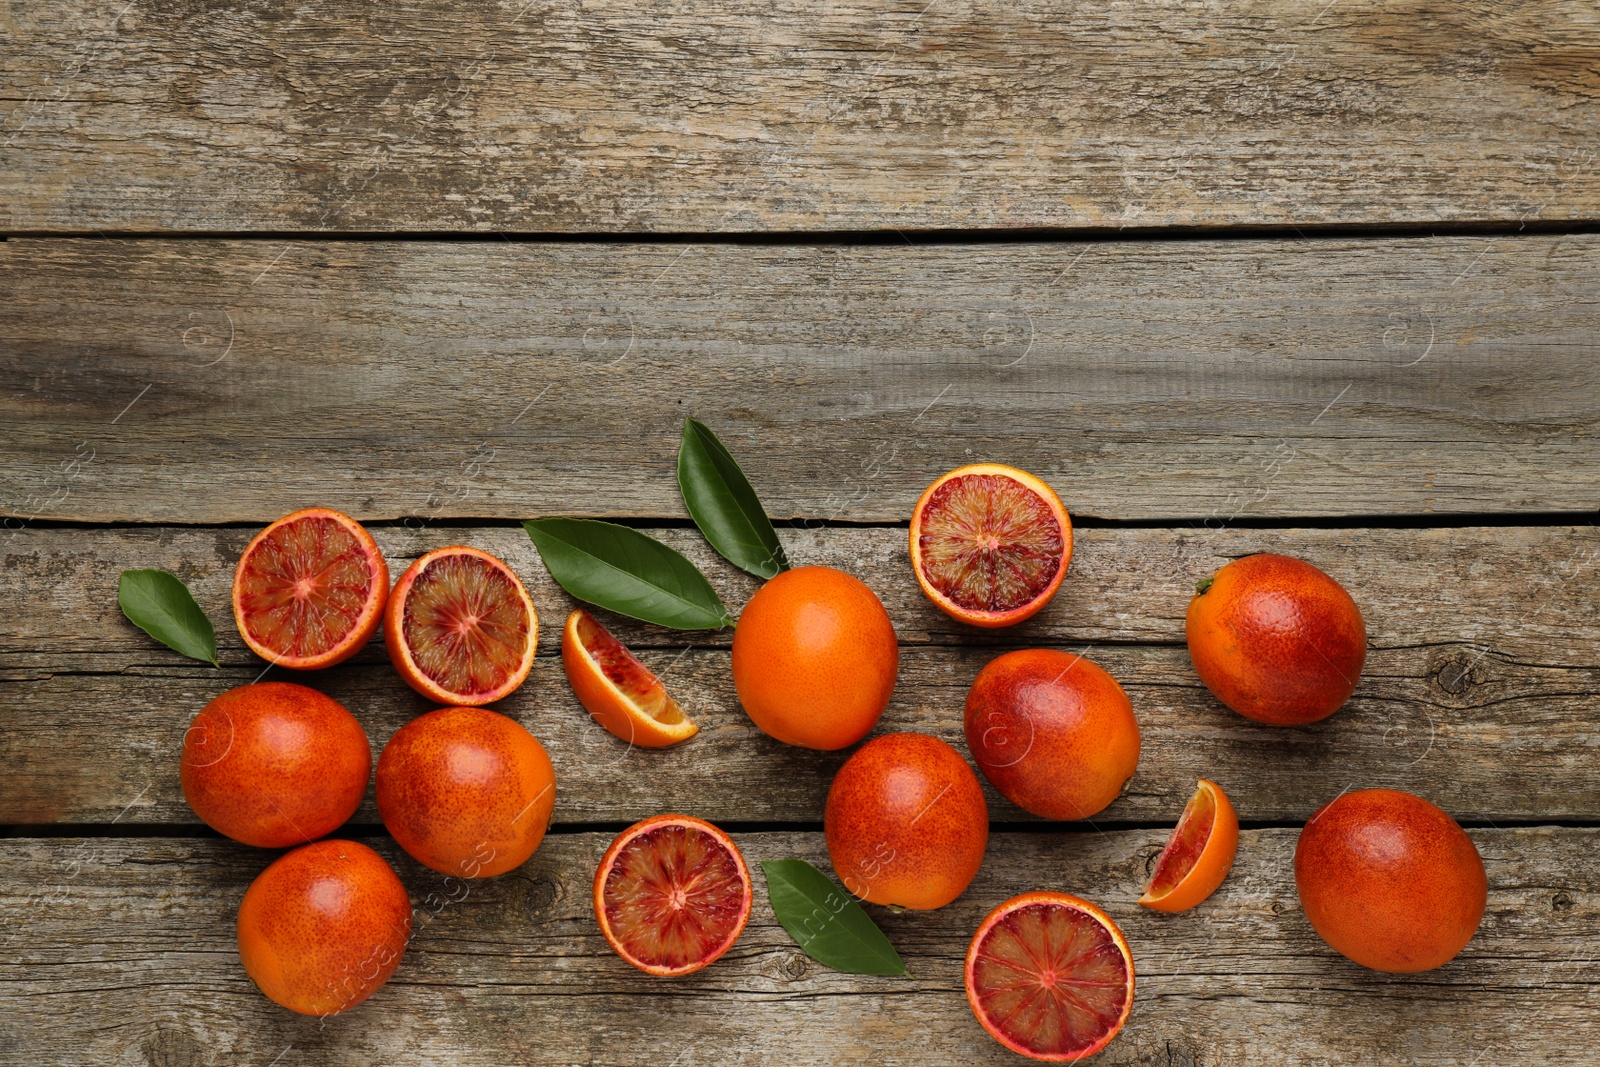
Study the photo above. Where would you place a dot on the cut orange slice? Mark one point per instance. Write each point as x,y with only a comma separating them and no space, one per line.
672,894
460,627
1050,976
1199,853
990,544
309,590
619,691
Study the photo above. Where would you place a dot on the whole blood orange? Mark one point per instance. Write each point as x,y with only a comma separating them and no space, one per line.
1053,732
1050,976
672,894
620,692
309,590
1390,880
466,791
1276,639
324,927
990,544
815,658
1199,854
906,822
460,627
274,764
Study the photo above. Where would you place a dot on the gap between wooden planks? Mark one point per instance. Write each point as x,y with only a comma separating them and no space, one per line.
1476,692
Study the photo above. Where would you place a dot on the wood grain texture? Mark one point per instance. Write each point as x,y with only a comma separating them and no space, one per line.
717,115
514,971
1477,691
206,381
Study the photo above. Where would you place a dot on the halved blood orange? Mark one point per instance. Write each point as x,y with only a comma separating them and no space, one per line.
672,894
990,544
620,692
1050,976
1199,853
309,590
460,627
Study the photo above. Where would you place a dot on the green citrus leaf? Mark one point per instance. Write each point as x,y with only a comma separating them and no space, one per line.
162,606
826,922
628,572
724,505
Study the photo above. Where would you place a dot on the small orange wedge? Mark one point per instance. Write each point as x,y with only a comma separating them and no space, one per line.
619,691
1199,853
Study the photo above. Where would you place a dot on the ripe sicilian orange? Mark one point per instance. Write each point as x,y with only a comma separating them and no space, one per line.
1053,732
1276,639
672,894
274,764
990,544
620,692
309,590
466,791
460,627
815,658
1050,976
1199,854
324,927
1390,880
906,822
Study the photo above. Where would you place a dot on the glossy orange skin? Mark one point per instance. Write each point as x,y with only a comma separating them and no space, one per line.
1053,732
324,927
1277,640
1390,880
1210,868
815,658
274,764
906,822
466,791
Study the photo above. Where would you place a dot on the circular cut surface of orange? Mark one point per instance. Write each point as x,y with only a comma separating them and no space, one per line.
621,693
460,627
1050,976
672,894
309,590
990,544
1199,854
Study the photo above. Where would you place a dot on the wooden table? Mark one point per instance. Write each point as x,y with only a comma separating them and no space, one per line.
1316,278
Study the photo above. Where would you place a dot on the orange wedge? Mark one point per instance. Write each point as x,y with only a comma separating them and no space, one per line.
1199,853
619,691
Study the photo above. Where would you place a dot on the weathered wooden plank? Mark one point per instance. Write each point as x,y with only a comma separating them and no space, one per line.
514,971
720,115
234,381
1477,692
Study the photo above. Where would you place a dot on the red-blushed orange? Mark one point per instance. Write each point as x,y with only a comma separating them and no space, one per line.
324,927
274,764
466,791
1390,880
906,823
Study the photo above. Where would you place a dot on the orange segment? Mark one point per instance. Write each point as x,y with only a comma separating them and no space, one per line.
460,627
1199,853
619,691
672,894
309,590
1050,976
990,544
